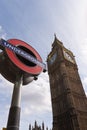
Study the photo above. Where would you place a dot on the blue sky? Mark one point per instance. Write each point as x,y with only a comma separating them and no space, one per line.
35,22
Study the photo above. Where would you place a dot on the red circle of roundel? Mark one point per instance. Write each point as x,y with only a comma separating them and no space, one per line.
31,70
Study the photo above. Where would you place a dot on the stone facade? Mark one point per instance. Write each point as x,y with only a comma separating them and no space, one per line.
69,102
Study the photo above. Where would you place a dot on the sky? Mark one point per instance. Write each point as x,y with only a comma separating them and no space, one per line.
35,22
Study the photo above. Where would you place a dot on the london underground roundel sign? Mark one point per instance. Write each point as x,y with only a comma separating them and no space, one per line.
24,56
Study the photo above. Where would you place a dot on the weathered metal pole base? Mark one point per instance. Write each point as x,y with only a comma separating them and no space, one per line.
14,112
14,118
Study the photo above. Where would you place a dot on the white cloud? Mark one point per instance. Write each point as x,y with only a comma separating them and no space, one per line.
36,102
26,111
84,81
2,33
36,96
83,48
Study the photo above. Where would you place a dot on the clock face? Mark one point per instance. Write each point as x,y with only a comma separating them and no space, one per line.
53,58
68,56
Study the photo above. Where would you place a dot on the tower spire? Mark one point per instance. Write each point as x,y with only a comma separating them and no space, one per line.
56,41
42,125
55,35
30,127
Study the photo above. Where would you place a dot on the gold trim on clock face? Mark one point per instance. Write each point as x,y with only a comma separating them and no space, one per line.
68,56
53,58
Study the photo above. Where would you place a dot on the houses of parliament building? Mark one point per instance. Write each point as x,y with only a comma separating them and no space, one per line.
38,127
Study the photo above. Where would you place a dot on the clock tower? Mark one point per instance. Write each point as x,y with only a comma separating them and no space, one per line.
69,102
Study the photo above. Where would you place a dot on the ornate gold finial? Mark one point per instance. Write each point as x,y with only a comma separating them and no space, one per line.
55,37
56,40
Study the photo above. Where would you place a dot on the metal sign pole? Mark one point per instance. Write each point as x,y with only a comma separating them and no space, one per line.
14,113
18,60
